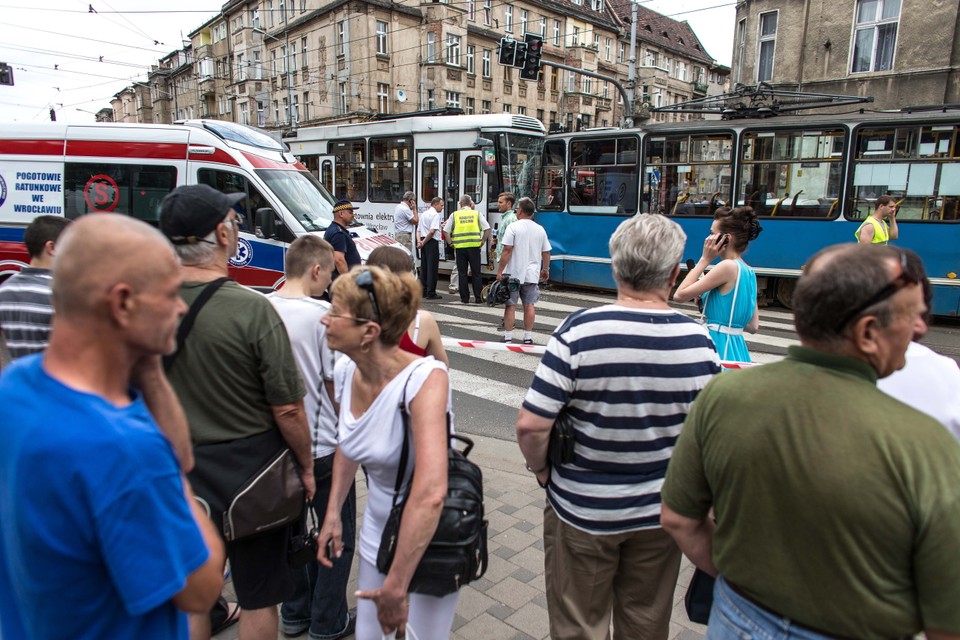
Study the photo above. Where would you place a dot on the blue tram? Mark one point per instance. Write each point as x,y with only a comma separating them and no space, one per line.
811,179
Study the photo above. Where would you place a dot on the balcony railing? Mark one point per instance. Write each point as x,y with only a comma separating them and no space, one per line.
700,87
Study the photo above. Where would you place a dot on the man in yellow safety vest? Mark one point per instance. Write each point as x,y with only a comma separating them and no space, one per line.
468,231
880,227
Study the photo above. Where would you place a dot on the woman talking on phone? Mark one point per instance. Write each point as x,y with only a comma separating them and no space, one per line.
729,290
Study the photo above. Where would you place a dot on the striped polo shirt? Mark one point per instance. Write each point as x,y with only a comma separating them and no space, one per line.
626,378
26,310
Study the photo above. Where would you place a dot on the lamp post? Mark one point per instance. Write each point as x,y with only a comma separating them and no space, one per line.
286,63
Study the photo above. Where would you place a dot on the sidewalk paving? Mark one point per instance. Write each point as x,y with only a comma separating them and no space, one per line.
508,603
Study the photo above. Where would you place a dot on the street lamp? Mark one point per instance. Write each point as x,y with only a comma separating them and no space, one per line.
286,63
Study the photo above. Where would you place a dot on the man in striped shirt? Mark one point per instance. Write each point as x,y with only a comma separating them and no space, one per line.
623,376
25,306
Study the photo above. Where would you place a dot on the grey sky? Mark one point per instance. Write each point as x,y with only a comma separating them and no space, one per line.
75,61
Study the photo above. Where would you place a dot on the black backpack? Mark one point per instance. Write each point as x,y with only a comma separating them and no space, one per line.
457,554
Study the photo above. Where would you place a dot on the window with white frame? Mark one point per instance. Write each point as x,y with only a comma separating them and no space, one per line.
741,47
471,56
667,64
507,108
587,84
556,33
487,4
244,113
431,47
875,35
293,55
508,18
283,59
622,52
470,106
596,42
767,46
575,39
484,106
571,82
273,62
597,5
276,112
295,113
303,49
255,18
543,27
681,71
342,98
241,69
305,113
286,110
270,19
524,19
381,37
472,10
431,101
486,70
261,114
257,68
283,11
453,49
453,100
607,48
342,39
521,110
383,97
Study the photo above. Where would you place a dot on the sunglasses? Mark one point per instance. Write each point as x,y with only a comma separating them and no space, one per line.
903,280
364,280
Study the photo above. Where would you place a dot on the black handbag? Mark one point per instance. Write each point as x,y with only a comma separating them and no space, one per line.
560,447
250,486
457,553
699,598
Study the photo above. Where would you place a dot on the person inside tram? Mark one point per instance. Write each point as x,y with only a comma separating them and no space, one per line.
729,290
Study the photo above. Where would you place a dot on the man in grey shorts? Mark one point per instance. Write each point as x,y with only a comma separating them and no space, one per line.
526,257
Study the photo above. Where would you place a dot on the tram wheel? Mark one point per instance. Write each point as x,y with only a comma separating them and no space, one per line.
785,289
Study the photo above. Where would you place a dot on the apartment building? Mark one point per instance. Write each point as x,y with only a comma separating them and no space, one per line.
901,52
282,64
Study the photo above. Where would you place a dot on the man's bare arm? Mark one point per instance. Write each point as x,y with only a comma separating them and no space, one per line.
148,376
292,422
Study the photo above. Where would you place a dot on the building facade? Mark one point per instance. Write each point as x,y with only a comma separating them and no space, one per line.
901,52
282,64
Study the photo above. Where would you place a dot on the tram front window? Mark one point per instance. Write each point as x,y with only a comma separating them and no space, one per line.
518,156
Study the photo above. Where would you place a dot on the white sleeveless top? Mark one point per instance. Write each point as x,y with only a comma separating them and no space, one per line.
374,440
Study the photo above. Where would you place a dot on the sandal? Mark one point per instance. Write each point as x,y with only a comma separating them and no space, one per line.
223,615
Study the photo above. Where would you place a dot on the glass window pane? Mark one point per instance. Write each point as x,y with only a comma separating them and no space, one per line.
867,11
886,42
765,66
768,24
429,179
863,50
891,9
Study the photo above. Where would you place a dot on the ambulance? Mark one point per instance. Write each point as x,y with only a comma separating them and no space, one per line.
77,169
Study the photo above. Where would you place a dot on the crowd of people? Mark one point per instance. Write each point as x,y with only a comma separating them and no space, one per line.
826,505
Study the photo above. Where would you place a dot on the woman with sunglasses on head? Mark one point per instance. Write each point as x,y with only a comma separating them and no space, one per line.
423,335
729,290
370,311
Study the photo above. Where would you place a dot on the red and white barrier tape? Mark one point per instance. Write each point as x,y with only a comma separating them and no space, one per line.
539,349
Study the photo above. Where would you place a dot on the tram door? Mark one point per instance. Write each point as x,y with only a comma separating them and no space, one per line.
449,175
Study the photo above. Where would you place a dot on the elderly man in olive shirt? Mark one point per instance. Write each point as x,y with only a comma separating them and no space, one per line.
837,508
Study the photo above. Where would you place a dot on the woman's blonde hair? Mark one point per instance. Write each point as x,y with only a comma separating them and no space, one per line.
397,296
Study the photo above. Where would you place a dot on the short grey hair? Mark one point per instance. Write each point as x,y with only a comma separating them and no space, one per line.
198,253
466,201
409,195
645,249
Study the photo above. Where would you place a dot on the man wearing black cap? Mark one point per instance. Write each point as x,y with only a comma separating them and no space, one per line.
345,254
239,384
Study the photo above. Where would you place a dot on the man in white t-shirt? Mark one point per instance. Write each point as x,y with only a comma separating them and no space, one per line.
320,601
929,383
428,242
405,220
525,256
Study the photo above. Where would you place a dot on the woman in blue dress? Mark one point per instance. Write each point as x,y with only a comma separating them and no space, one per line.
728,290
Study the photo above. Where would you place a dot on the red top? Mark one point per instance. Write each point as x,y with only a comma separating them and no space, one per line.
410,346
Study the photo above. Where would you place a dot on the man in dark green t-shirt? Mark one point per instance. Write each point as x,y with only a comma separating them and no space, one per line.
837,508
237,379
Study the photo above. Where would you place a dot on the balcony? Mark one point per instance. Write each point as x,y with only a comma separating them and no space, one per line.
700,87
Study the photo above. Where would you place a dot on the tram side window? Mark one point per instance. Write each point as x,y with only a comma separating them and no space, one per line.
550,196
473,180
391,168
350,177
429,179
603,175
792,173
131,189
687,175
917,165
326,175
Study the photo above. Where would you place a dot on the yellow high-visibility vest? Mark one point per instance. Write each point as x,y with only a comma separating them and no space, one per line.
881,230
466,229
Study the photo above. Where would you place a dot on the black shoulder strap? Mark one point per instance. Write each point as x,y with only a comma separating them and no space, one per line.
405,447
186,323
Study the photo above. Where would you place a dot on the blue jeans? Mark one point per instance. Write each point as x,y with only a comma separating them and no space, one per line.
733,617
320,600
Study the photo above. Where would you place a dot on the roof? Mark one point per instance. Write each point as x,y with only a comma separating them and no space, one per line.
661,31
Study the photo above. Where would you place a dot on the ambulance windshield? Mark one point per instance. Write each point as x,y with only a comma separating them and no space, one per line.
302,195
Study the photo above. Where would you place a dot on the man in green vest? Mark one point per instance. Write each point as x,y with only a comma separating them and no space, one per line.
468,231
880,227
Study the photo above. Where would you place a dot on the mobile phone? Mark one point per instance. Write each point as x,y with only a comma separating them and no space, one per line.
723,239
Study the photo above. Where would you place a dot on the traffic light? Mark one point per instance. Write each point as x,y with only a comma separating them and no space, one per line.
508,52
530,70
6,74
